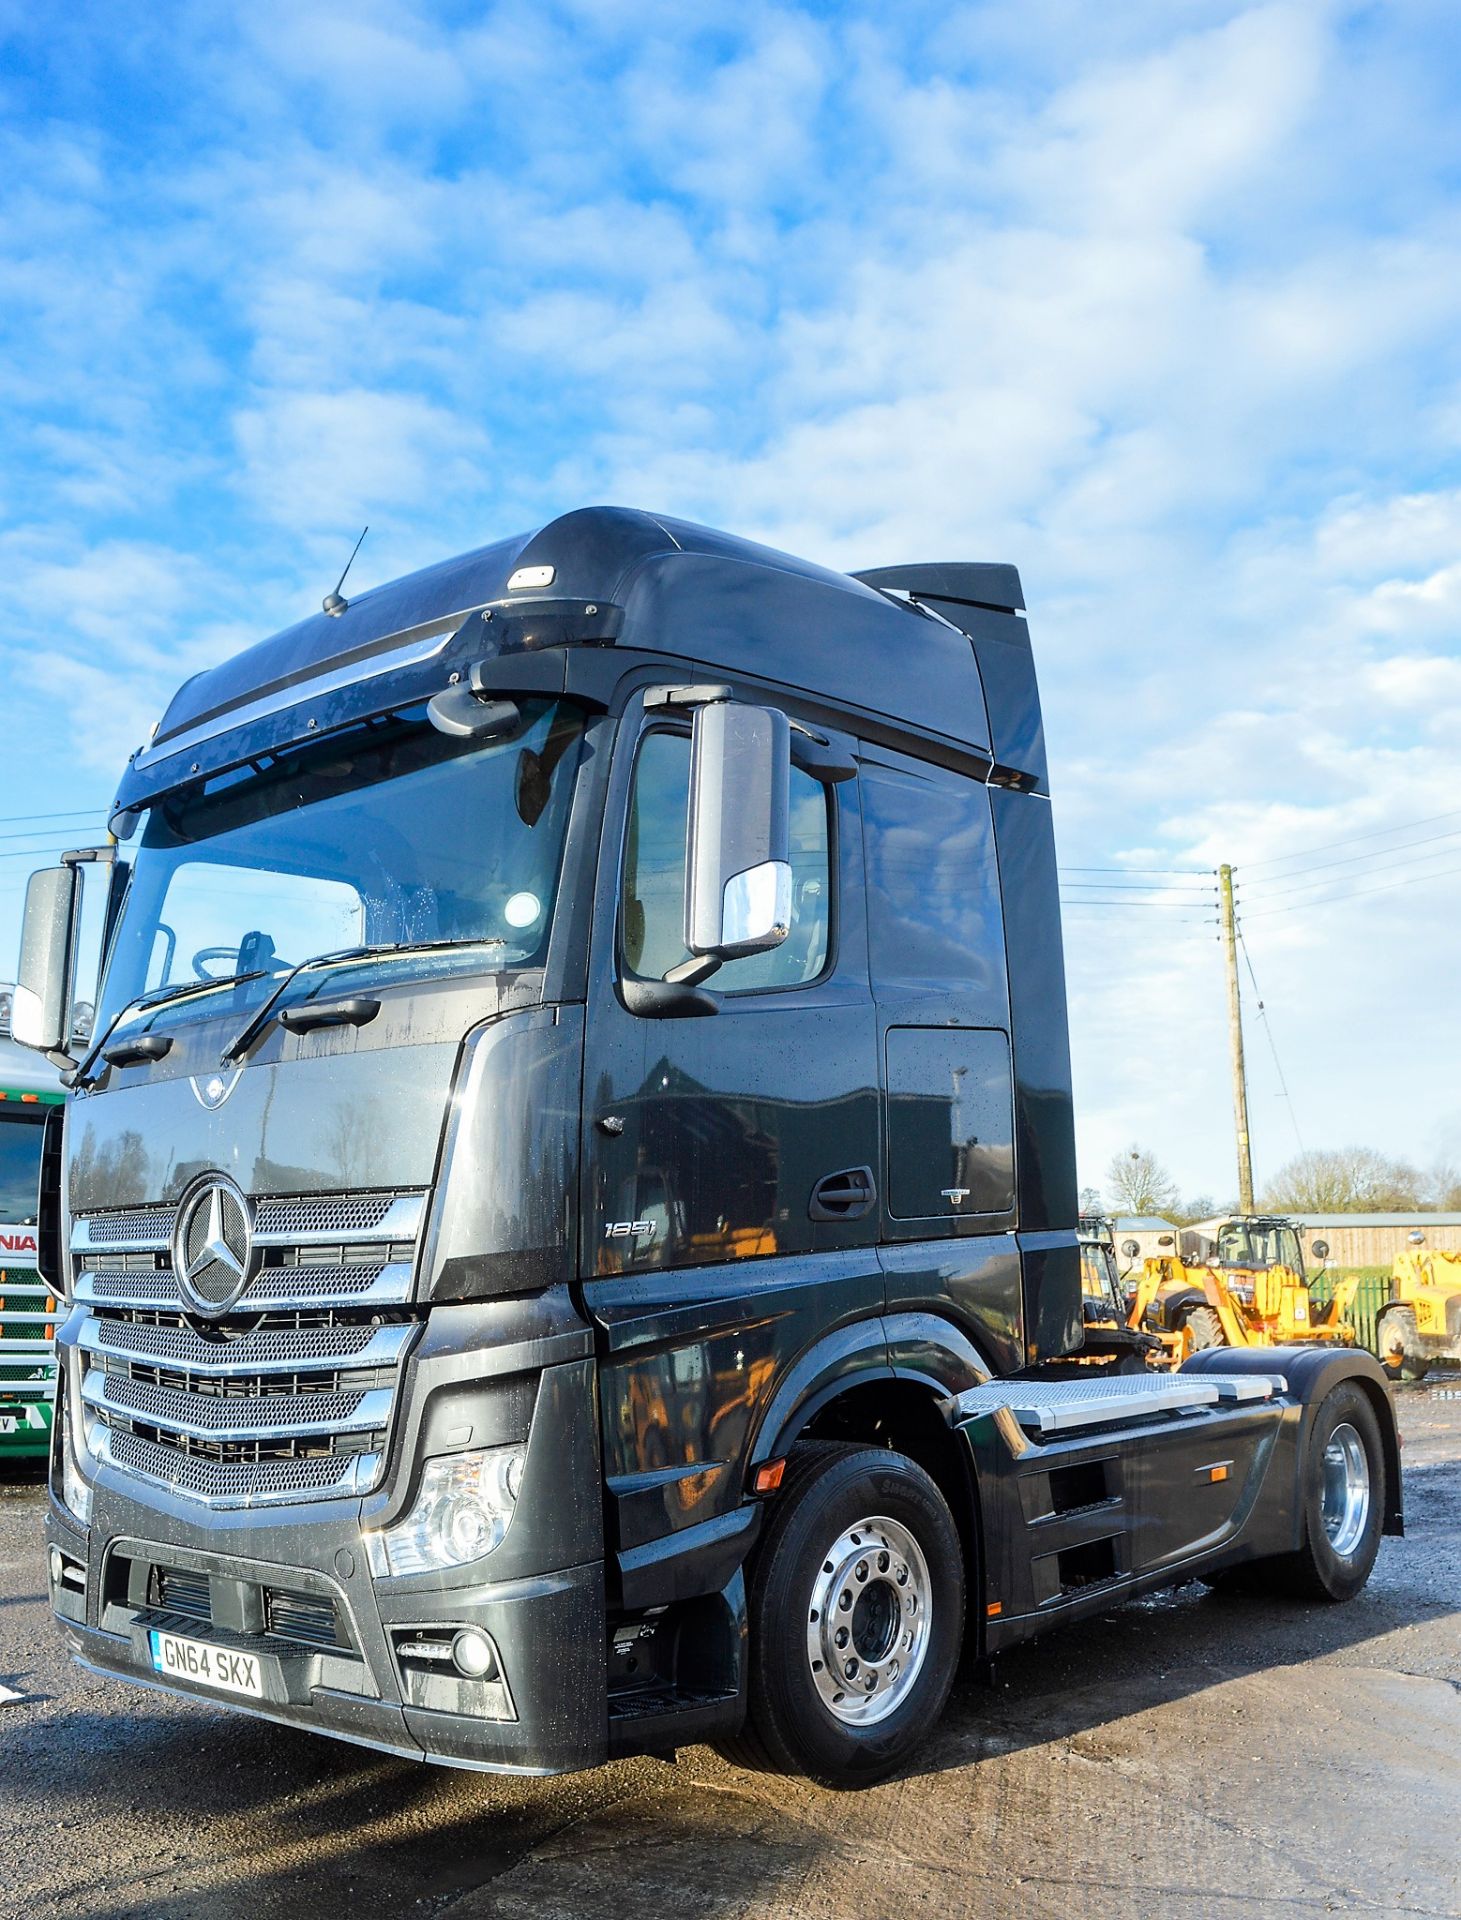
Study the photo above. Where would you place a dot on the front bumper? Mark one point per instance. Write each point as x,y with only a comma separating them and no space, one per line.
291,1584
550,1716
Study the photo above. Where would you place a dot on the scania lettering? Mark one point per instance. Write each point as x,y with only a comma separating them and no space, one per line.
571,1206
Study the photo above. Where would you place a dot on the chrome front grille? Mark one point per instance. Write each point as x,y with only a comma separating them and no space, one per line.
290,1396
276,1288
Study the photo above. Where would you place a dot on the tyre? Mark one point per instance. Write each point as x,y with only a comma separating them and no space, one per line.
1204,1329
856,1618
1396,1340
1344,1503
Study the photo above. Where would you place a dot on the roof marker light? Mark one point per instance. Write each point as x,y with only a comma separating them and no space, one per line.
531,577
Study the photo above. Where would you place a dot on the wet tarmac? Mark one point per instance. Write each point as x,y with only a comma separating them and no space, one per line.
1190,1755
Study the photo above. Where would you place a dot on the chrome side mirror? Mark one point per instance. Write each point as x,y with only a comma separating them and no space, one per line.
738,873
41,1011
1130,1249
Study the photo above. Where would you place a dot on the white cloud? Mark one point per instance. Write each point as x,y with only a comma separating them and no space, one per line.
314,461
1160,302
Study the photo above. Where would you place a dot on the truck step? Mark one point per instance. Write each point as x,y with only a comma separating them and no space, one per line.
644,1703
1044,1407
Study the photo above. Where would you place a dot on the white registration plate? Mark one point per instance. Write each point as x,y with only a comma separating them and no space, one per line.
9,1423
179,1659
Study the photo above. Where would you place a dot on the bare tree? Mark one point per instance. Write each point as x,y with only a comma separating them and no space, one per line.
1344,1180
1138,1182
1443,1188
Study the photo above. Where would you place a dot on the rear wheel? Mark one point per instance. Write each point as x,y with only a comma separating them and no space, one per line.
1396,1340
1343,1508
856,1616
1204,1329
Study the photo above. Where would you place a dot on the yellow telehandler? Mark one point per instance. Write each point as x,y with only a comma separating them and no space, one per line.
1422,1323
1243,1287
1112,1337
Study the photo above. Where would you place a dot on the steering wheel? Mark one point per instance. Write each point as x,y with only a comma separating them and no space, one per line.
205,955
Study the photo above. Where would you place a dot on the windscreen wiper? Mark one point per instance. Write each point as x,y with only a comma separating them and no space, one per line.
259,1019
144,1003
265,1012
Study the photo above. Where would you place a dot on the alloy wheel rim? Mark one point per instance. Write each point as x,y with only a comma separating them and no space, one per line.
1344,1501
868,1620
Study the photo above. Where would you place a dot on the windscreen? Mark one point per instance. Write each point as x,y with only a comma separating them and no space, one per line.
1247,1245
20,1165
390,836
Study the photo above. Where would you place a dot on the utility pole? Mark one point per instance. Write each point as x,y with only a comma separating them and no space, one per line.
1235,1040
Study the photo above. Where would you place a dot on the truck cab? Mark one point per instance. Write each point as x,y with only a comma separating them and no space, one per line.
579,1102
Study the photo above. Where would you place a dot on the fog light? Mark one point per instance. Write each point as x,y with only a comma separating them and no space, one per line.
472,1653
54,1559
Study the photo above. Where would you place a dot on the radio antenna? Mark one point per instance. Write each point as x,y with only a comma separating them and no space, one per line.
335,603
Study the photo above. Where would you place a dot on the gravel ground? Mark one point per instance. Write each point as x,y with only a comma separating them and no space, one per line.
1187,1755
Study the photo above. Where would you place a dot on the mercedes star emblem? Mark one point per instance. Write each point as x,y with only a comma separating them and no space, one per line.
213,1245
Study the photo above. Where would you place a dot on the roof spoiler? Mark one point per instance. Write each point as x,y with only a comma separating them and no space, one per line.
977,583
981,598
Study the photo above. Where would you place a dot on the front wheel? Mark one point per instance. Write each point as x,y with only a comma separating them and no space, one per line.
1204,1328
1396,1340
857,1610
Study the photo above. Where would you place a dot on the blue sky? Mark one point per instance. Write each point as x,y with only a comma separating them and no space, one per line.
1160,301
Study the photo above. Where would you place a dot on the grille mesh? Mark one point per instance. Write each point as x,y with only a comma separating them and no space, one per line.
173,1389
178,1342
126,1229
220,1480
284,1214
271,1283
350,1213
211,1412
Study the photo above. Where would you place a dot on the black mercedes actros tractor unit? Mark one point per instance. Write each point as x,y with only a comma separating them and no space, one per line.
567,1222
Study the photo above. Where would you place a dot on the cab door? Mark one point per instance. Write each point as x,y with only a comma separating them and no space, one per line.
730,1187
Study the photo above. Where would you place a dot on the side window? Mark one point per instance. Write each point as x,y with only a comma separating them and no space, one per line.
653,908
932,879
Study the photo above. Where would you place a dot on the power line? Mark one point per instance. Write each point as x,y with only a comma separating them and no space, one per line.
1349,840
1272,1043
45,839
46,847
1136,886
1206,872
73,813
1125,900
1307,906
1370,873
1353,859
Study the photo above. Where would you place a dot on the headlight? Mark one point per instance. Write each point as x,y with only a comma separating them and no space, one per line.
462,1512
74,1489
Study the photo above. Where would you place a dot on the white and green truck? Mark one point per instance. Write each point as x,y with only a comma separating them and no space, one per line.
30,1091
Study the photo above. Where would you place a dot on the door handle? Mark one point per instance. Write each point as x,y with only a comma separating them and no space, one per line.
847,1195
